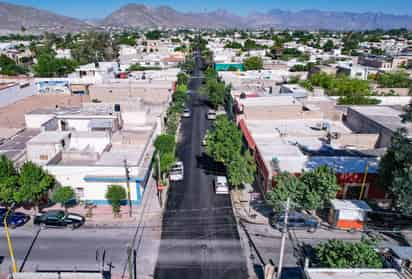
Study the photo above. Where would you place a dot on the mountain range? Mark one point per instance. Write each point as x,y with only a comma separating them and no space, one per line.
13,17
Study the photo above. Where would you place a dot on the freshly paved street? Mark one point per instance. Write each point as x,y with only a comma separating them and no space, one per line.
199,233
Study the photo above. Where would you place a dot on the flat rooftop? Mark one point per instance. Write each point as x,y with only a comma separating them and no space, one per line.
17,144
286,141
12,116
125,145
69,111
388,117
295,127
276,100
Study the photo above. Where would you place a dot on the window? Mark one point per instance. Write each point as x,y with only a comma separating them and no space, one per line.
44,157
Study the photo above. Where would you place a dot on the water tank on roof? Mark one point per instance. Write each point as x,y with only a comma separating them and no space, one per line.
116,107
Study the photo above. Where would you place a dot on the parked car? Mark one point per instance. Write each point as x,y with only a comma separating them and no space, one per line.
14,219
221,186
176,172
58,218
204,140
211,114
296,220
186,113
388,219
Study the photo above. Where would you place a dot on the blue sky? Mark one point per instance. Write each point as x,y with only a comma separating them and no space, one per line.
101,8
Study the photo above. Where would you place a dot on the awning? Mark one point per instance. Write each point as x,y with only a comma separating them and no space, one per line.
110,179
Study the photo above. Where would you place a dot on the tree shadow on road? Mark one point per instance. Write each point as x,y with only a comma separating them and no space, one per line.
209,165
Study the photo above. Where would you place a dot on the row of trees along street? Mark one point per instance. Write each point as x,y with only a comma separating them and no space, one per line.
224,142
165,144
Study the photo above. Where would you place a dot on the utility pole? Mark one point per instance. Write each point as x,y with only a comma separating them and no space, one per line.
129,199
159,180
284,234
9,243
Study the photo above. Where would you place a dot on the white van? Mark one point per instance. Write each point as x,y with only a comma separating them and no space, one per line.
176,172
221,185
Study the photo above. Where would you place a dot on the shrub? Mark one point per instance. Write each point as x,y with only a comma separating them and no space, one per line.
115,195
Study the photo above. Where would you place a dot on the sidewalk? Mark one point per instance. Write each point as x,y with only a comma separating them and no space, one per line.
102,215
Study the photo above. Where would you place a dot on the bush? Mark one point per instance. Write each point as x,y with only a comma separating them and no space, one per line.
339,254
253,63
115,195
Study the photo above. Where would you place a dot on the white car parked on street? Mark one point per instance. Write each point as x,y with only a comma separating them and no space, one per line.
176,172
221,185
186,113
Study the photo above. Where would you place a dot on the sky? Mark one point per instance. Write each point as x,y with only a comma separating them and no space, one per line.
95,9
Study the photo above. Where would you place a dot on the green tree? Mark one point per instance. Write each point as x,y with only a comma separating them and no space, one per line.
250,45
310,191
153,35
34,184
9,67
165,143
253,63
287,186
234,45
241,170
339,254
63,195
116,194
49,66
321,186
328,46
215,91
395,167
182,79
8,181
398,79
224,142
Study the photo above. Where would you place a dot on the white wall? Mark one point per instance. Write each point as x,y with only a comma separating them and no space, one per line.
13,94
74,176
41,154
35,121
98,144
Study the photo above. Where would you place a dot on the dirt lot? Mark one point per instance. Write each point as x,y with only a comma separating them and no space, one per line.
12,116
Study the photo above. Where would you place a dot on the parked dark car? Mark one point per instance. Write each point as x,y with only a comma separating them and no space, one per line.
388,220
58,218
14,219
296,220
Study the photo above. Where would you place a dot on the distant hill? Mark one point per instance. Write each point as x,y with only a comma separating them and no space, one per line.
137,15
315,19
13,17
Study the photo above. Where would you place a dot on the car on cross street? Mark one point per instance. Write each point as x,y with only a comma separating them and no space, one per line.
58,218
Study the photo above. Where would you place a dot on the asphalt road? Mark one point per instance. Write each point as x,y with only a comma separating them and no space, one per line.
199,234
65,249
